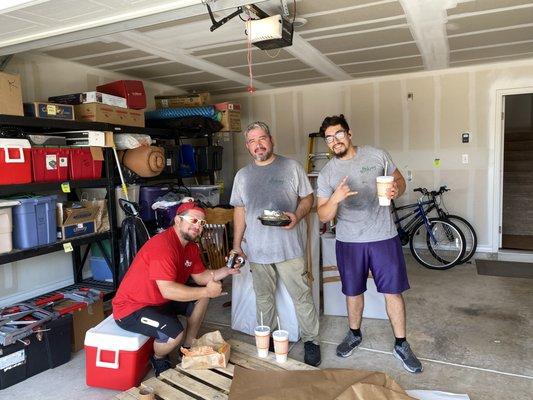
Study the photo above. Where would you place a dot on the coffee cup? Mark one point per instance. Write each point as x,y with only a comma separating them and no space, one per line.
281,345
262,340
383,183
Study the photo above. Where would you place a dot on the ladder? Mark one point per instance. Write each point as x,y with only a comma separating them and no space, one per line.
312,156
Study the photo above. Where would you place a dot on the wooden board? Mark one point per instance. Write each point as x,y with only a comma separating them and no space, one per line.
213,384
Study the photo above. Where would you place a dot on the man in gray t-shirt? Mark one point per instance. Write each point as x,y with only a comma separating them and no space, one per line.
365,232
275,183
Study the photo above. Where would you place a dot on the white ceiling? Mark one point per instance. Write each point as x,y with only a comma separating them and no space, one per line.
170,41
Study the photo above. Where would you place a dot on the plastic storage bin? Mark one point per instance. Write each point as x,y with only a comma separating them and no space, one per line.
100,269
133,194
148,196
34,222
49,164
115,358
6,225
209,194
15,157
81,164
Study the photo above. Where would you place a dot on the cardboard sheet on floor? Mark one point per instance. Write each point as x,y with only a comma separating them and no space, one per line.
327,384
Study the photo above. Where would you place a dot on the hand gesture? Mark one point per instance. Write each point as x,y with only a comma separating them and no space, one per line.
214,288
342,191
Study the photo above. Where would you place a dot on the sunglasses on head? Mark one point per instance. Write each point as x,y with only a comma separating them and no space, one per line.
194,221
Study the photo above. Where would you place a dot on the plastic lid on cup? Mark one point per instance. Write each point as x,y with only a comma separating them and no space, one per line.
262,328
280,333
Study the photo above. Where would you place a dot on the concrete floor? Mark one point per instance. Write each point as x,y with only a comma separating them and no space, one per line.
473,334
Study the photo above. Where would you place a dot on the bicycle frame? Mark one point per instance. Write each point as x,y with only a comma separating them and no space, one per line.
420,212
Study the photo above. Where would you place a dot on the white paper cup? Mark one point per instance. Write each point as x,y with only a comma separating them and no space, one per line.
383,183
281,345
262,340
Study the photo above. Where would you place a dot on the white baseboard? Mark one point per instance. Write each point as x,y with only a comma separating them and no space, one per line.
23,296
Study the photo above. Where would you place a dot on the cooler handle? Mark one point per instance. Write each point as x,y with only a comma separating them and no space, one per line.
20,159
104,364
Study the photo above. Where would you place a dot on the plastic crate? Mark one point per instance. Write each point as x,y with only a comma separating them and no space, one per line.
34,222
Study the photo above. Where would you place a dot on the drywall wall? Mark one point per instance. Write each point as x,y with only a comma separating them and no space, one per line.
417,130
41,77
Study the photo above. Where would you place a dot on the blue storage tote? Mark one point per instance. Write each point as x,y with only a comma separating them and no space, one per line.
148,196
34,222
100,269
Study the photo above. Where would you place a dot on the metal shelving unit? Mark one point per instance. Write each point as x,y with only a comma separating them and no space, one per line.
109,181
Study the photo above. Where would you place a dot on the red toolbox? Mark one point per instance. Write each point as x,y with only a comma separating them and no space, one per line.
82,165
132,91
15,157
116,358
50,164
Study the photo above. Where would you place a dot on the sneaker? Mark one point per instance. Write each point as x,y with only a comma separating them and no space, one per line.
160,364
349,344
312,354
407,357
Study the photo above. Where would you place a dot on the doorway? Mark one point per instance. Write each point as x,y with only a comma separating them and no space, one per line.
517,183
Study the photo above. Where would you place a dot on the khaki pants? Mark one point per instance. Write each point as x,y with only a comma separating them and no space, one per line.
294,275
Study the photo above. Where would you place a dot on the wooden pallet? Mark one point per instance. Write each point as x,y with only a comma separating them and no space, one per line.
214,384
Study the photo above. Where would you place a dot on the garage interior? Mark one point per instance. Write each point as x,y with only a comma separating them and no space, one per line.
411,76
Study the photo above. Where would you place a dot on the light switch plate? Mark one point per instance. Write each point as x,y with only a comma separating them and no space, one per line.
465,158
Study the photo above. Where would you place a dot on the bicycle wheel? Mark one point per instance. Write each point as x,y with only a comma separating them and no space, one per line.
440,247
469,234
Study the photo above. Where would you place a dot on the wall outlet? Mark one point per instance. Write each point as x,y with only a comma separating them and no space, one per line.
465,158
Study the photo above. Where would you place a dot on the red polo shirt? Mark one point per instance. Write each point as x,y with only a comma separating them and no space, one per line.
161,258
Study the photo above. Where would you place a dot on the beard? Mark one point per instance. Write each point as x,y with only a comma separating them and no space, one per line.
188,237
341,153
263,157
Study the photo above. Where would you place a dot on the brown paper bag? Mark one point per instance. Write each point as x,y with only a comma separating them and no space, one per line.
218,360
328,384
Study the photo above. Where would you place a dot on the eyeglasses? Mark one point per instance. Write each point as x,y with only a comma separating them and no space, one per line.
339,135
194,221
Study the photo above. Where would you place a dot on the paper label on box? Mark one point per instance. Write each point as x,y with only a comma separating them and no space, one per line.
65,187
12,360
67,247
51,162
51,109
169,162
63,161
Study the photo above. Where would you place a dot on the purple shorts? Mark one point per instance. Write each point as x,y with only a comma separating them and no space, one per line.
384,258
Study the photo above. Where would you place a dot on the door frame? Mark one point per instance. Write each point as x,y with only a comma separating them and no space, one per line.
496,183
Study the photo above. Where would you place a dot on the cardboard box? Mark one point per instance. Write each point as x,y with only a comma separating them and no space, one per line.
40,109
98,112
10,95
131,90
89,97
89,138
231,120
83,319
227,106
74,222
187,100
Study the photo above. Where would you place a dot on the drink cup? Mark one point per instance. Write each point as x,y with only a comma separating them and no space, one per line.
281,345
383,183
262,340
146,393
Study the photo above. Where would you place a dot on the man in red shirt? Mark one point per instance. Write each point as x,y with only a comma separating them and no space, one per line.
153,291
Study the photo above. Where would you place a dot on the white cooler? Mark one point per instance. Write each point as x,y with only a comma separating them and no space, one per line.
115,358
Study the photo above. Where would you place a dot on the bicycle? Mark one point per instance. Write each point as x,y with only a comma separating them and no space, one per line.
435,243
466,228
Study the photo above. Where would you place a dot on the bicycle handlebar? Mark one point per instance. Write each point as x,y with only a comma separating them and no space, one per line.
424,191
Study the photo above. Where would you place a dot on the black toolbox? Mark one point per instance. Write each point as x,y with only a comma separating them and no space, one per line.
47,348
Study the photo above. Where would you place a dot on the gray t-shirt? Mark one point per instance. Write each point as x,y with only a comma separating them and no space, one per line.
360,218
276,186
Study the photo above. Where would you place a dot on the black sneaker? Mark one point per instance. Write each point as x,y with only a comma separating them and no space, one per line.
349,344
407,357
160,364
312,354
